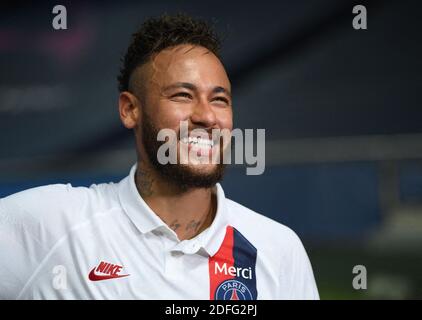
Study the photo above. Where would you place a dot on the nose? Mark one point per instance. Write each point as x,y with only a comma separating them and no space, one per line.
203,115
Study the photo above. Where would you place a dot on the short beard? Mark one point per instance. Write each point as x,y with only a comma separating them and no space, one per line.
181,176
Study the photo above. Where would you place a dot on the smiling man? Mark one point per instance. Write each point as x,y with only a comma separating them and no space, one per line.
166,231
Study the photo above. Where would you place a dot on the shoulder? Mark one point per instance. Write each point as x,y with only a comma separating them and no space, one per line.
44,197
52,209
261,228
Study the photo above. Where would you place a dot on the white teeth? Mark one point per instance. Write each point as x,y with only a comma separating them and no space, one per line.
201,142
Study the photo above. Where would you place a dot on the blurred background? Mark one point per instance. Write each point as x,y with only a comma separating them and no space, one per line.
341,108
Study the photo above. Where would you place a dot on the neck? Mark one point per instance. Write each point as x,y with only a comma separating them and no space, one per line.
187,212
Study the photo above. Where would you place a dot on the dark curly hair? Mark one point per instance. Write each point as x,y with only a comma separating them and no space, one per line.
157,34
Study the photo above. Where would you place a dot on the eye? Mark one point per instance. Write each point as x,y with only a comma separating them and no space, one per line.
182,95
222,99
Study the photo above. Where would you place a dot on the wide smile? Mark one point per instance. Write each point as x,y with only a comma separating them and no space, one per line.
202,145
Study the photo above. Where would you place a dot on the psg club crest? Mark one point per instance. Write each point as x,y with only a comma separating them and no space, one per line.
233,290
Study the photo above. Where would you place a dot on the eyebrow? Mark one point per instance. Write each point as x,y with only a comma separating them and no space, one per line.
190,86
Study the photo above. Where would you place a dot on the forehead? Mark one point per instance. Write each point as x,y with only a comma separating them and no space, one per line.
187,63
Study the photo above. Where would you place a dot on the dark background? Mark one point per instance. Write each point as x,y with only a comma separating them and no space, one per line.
341,109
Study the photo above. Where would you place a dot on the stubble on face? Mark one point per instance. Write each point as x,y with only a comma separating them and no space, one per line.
184,176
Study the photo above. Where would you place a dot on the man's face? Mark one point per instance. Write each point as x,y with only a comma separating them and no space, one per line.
186,83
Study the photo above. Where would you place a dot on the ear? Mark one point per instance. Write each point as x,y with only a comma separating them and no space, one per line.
129,109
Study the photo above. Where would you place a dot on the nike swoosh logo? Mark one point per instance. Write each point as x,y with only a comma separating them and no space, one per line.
95,277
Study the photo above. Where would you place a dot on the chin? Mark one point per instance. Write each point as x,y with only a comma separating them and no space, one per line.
190,176
201,169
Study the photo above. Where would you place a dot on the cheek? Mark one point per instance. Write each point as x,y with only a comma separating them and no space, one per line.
225,119
168,115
